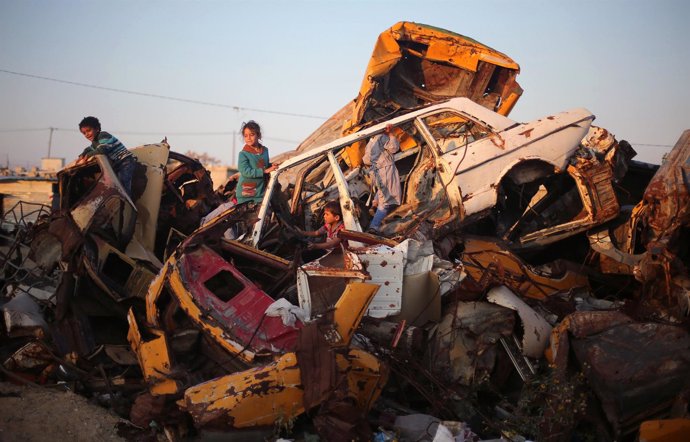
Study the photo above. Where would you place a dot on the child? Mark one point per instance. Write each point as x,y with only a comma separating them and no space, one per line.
378,155
332,217
121,159
252,163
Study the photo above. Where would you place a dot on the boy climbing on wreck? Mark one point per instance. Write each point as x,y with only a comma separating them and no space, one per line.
121,159
333,223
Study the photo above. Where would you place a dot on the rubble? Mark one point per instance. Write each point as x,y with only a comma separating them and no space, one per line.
533,283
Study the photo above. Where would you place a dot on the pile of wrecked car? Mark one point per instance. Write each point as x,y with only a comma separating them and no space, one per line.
532,284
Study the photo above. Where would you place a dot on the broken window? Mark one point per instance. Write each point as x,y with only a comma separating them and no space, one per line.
530,207
224,285
76,184
424,197
325,292
451,130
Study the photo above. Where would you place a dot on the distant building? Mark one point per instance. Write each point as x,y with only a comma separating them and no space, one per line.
220,174
52,164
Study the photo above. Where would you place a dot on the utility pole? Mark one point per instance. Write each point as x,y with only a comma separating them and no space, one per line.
50,140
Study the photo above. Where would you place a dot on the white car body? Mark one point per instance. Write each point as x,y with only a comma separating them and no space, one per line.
469,173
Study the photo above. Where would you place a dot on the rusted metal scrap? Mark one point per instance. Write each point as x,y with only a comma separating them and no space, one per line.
489,262
231,401
464,346
207,320
649,243
636,369
99,243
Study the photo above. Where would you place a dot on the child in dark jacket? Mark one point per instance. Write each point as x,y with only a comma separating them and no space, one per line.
121,159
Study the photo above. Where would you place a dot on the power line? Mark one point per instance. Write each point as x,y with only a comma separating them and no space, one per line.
163,97
24,130
651,145
162,132
197,134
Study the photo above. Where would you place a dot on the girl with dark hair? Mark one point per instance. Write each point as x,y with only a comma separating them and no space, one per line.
252,163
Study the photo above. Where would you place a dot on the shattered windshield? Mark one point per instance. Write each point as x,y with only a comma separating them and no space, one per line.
451,130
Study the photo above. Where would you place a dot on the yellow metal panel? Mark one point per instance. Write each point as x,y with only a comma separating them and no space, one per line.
255,397
488,262
365,378
152,295
351,306
666,430
443,46
451,47
154,358
265,395
385,55
508,104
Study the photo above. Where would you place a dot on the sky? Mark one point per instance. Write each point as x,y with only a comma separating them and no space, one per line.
289,65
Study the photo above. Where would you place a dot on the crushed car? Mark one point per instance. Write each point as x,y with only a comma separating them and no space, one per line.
543,184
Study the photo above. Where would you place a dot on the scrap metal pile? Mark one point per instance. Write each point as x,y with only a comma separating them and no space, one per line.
532,284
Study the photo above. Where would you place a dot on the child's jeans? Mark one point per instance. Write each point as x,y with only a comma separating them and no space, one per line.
125,173
380,214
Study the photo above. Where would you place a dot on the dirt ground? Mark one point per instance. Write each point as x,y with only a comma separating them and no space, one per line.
30,413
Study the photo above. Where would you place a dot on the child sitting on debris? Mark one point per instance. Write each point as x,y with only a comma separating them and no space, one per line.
332,217
121,159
